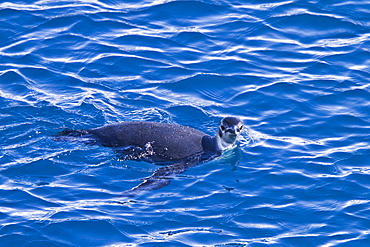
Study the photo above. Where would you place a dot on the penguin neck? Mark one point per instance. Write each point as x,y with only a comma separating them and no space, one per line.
221,144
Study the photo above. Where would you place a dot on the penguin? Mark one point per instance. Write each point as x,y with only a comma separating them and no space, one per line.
183,146
163,141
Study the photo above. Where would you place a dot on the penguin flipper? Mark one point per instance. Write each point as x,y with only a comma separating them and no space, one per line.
160,178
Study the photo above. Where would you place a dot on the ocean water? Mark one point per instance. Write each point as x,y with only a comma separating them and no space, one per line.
296,72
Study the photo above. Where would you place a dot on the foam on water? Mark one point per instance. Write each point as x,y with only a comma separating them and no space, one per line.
296,72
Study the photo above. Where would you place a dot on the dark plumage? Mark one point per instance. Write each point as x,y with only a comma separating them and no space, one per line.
168,141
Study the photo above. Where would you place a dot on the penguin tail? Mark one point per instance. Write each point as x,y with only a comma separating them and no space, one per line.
71,135
72,132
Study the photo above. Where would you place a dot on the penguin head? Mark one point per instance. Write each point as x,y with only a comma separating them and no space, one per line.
229,131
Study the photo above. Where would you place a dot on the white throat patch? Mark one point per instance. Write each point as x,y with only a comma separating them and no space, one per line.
222,145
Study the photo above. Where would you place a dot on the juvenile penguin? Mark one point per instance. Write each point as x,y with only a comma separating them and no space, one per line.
163,141
183,146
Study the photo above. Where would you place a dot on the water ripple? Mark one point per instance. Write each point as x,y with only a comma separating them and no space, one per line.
296,72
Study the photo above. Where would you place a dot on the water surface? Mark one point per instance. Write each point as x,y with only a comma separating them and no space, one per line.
296,72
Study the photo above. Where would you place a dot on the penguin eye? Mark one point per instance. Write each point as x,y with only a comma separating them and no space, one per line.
241,127
222,127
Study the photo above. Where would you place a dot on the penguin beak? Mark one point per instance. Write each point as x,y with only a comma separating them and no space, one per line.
230,130
233,130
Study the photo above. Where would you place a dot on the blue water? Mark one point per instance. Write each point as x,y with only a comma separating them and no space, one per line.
296,72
